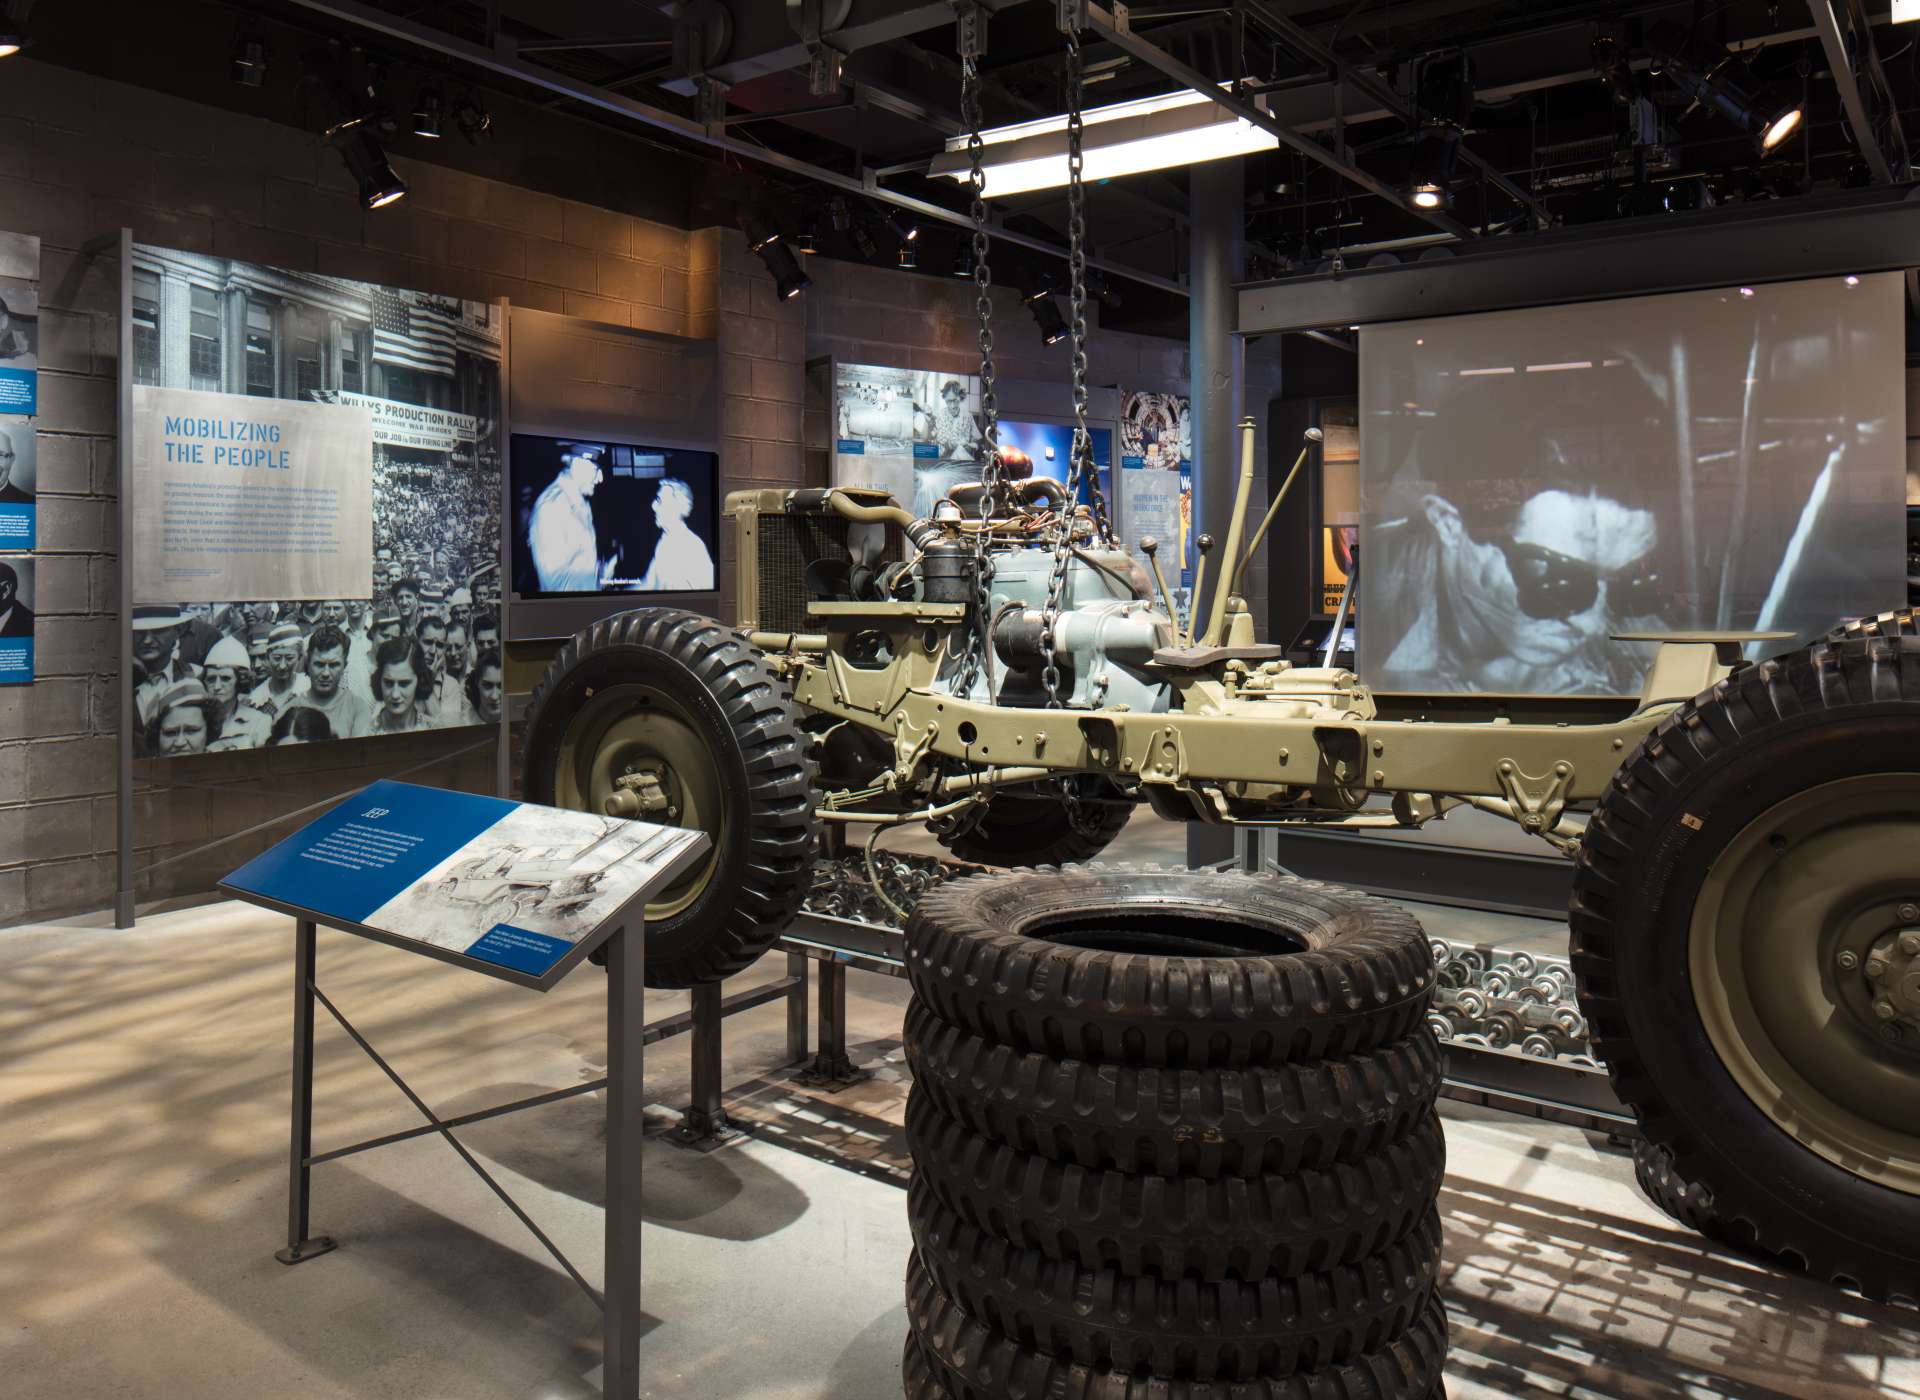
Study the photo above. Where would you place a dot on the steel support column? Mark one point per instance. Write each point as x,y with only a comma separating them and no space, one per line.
1216,357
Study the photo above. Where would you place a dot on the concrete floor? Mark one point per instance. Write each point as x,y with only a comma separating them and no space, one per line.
143,1083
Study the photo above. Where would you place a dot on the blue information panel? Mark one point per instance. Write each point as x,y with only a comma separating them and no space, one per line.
504,886
19,390
17,525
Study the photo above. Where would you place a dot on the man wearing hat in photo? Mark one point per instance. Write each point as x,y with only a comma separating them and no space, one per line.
236,724
348,713
459,613
284,683
156,635
560,531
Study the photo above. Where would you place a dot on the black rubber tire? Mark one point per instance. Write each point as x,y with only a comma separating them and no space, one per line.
1236,1227
1833,711
764,863
1905,622
974,1362
1021,830
916,1376
1311,971
1232,1329
1175,1122
1685,1202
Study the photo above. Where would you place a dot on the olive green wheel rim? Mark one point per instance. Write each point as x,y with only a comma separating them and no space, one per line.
624,729
1778,950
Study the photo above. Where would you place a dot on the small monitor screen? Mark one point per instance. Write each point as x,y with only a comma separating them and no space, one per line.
602,517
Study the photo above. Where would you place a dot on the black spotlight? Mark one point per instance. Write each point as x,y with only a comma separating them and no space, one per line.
427,114
788,278
473,119
1730,89
249,62
1434,151
1046,315
863,243
904,230
841,213
761,235
907,258
367,163
13,26
963,261
807,242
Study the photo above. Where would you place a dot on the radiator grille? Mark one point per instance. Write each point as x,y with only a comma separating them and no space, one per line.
788,544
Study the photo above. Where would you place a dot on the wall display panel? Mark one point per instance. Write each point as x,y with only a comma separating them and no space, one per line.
913,433
316,486
598,517
1535,481
17,601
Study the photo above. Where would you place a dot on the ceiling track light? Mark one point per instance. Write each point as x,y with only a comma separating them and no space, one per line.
428,114
789,279
808,241
907,259
963,261
906,231
249,62
863,243
13,27
761,235
366,160
1730,89
1435,150
1046,315
473,119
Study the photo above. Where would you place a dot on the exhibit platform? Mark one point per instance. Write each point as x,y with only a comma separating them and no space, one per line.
145,1151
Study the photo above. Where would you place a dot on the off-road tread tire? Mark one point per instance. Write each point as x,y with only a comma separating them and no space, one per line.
1208,1123
974,1362
1685,1202
1833,710
1233,1329
1364,980
759,885
1235,1227
1903,622
1023,831
916,1376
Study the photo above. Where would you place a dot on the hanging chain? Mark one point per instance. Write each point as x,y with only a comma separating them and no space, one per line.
1082,453
992,473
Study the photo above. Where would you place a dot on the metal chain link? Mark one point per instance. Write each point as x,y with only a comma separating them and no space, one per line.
1082,452
992,472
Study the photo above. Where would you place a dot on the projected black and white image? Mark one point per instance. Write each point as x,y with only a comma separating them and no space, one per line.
1536,482
612,517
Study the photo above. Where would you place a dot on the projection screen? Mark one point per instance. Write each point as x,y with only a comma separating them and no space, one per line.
1535,481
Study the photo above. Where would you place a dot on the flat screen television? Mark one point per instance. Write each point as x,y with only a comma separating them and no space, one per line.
595,517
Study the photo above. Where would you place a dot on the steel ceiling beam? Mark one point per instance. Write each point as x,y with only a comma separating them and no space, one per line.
1849,51
504,65
1114,27
1373,86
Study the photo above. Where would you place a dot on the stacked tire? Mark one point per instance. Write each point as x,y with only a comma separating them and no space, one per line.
1174,1136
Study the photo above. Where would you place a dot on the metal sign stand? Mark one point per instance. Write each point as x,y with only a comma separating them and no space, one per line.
626,1038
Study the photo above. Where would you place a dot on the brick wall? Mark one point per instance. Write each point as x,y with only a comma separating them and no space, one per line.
80,156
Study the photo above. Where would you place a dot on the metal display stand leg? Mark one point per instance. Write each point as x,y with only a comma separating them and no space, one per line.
624,1082
832,1067
626,1057
704,1125
797,1009
300,1245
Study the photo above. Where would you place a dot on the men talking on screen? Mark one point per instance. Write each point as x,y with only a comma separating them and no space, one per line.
561,533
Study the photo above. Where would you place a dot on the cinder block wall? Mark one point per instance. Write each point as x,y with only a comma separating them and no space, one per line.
81,156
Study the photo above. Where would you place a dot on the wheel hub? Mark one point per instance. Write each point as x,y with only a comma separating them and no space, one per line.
1804,957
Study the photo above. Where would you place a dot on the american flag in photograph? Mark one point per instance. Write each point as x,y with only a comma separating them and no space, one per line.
408,336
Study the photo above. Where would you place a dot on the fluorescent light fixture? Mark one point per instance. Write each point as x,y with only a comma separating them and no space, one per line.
1127,138
1905,11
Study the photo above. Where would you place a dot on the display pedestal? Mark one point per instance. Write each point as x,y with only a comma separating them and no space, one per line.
523,895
